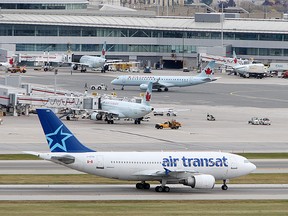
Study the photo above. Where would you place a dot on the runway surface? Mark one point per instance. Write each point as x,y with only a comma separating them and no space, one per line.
46,167
129,192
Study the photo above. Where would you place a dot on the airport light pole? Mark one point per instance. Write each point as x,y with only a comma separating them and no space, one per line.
55,80
222,20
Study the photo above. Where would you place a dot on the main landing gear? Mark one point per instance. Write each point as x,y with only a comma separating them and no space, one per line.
162,189
224,186
143,185
146,186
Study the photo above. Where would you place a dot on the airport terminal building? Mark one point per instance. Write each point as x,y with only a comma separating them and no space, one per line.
175,41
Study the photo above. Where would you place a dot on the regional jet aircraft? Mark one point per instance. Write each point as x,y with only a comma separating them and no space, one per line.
195,169
166,82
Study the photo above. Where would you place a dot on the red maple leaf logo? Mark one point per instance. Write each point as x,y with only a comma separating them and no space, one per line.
148,96
208,71
235,60
103,52
11,62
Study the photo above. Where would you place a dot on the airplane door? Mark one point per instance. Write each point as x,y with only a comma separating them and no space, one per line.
99,162
232,168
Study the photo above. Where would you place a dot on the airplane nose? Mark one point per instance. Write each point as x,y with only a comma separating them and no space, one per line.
252,167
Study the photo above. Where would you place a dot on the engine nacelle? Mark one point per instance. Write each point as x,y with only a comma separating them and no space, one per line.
143,86
96,116
202,181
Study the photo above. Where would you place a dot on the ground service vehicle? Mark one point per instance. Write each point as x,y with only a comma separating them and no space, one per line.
102,86
210,117
17,69
264,121
254,121
169,124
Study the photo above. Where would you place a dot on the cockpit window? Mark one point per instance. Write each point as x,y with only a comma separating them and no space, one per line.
246,161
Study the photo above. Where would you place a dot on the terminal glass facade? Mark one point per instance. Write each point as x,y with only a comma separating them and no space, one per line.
74,31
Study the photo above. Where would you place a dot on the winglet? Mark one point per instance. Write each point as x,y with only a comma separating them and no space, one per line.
59,137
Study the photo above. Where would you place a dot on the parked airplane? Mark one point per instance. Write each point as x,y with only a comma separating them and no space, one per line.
239,66
166,82
247,70
110,109
198,170
8,64
92,62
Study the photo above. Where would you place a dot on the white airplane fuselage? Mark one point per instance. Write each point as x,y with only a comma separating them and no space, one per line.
92,61
173,81
126,109
249,68
145,166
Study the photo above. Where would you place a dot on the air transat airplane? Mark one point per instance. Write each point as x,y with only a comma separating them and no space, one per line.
166,82
110,109
195,169
92,62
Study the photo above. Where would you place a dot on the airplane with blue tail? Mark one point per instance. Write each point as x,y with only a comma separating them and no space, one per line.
197,170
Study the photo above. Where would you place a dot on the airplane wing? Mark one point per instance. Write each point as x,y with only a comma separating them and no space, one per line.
178,174
80,64
157,85
112,113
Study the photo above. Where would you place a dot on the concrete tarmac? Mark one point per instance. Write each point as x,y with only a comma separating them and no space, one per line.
129,192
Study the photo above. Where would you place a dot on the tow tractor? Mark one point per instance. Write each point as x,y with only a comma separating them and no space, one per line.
210,117
102,86
17,69
169,124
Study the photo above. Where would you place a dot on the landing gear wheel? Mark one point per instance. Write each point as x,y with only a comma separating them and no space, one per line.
224,186
166,89
162,189
166,189
139,186
122,88
144,186
159,90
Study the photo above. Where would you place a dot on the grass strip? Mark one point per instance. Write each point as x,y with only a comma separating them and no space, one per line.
247,155
257,178
139,208
264,155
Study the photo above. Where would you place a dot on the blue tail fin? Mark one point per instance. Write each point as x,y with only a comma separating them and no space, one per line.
58,136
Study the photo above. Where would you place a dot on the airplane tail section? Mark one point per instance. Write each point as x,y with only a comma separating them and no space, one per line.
147,97
59,137
208,70
103,53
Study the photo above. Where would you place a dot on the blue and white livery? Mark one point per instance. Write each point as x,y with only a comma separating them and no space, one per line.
198,170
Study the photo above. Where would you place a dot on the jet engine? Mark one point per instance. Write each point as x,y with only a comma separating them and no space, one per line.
96,116
202,181
143,86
